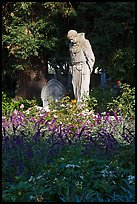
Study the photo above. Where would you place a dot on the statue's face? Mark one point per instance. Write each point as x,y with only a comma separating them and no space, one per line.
73,38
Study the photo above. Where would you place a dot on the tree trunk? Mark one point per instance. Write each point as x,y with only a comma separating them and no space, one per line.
31,81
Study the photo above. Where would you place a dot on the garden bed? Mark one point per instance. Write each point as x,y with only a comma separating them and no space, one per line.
67,155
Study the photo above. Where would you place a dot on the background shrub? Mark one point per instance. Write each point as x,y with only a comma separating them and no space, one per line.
125,102
103,97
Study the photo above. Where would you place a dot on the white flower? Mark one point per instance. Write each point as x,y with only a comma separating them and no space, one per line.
79,184
72,165
47,109
39,177
103,113
62,105
31,179
22,106
38,107
107,173
27,111
54,110
31,197
55,116
82,177
131,178
85,112
113,182
15,111
104,173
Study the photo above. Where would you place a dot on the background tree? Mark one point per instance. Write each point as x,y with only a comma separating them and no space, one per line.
34,34
31,36
110,26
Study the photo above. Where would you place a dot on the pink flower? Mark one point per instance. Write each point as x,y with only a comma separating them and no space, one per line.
22,106
118,82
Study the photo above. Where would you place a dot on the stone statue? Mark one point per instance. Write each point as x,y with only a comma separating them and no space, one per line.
52,90
82,60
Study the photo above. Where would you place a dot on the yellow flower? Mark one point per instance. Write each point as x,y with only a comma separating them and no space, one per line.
120,106
73,101
12,14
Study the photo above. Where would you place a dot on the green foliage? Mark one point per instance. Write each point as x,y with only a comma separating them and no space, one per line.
110,26
71,176
17,192
125,102
123,65
90,102
109,21
103,97
9,104
26,29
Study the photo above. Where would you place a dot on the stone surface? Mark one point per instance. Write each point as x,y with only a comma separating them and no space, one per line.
82,60
52,90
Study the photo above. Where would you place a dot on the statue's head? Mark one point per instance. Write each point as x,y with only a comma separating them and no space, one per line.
72,36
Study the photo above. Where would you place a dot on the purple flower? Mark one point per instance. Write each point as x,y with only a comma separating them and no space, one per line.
97,119
18,140
14,128
36,136
21,168
29,154
107,119
98,116
116,117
